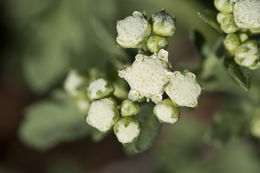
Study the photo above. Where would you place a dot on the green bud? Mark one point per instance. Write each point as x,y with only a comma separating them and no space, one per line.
255,124
231,42
243,37
227,23
82,104
129,108
155,43
166,111
255,31
163,24
99,88
127,130
248,54
224,6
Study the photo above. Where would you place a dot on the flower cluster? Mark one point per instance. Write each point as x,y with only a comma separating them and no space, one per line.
240,19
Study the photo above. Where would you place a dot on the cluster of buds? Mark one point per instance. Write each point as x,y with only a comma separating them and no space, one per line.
150,75
240,19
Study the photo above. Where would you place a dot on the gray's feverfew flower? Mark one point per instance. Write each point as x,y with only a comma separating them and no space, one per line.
129,108
247,14
163,24
248,54
227,23
99,88
103,114
133,31
183,89
74,84
225,6
166,111
127,130
155,43
147,76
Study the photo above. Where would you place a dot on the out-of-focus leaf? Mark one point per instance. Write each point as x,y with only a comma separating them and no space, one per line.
65,165
150,128
237,73
199,42
51,122
210,17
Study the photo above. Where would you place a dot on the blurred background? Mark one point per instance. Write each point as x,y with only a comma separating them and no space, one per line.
41,40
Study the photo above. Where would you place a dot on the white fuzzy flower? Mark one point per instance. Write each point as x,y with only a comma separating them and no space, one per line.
99,89
73,83
127,130
133,31
147,76
103,114
248,54
166,111
247,14
183,89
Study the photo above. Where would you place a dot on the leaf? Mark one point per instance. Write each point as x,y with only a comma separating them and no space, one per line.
50,122
199,42
210,17
150,128
237,73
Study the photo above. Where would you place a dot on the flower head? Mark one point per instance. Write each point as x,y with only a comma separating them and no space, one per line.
74,84
103,114
99,88
155,43
147,76
127,130
133,31
183,89
129,108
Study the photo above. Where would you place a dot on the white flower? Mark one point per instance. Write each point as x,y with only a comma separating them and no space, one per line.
163,24
147,76
103,114
247,14
133,31
183,89
99,88
248,54
166,111
73,84
127,130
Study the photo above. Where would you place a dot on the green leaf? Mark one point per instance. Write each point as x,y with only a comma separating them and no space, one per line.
237,73
50,122
210,17
199,42
150,128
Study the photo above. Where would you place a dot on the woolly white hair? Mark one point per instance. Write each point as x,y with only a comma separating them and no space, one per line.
147,76
183,89
102,114
247,14
133,30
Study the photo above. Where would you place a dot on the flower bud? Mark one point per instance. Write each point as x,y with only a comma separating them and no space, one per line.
243,37
247,14
163,24
103,114
183,89
99,88
127,130
255,124
133,31
248,54
227,23
74,84
155,43
147,76
166,111
231,42
224,6
82,104
129,108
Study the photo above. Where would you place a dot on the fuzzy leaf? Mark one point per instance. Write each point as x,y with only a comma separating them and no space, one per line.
237,73
150,128
51,122
210,17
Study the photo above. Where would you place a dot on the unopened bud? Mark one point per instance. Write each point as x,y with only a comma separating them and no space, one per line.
231,42
99,88
155,43
129,108
227,23
224,6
